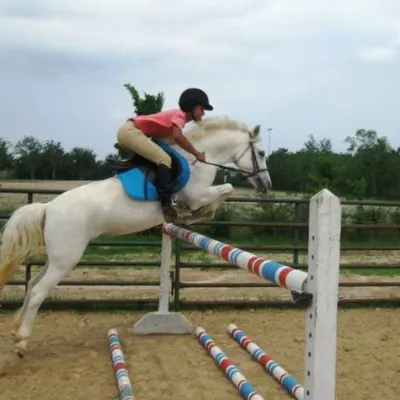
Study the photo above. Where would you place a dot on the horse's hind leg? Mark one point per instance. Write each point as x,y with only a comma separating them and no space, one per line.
31,283
60,261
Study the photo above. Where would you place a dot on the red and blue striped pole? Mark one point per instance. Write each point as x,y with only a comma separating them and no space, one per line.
272,271
121,373
246,389
282,376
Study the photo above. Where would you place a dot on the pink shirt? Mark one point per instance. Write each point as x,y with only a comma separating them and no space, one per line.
161,123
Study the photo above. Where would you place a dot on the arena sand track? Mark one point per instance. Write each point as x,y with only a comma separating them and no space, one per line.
68,357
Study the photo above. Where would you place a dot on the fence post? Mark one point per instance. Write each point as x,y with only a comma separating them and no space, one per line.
296,234
323,283
177,281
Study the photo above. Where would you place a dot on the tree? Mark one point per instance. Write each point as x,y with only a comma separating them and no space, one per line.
53,156
373,159
83,162
363,139
284,173
6,157
149,104
29,154
313,146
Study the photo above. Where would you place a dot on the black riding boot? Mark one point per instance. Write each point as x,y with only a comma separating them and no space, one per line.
163,184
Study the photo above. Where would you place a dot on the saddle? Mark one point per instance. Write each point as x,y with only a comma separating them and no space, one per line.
137,174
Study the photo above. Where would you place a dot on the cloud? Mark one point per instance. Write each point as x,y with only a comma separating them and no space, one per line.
378,54
273,62
198,28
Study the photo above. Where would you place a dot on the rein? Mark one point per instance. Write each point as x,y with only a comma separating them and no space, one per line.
256,167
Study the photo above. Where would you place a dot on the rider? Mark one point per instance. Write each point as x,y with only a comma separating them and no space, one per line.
135,135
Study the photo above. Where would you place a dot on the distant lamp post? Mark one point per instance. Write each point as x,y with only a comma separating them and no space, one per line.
269,130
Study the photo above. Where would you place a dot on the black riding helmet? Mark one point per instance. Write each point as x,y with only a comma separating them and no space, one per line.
191,97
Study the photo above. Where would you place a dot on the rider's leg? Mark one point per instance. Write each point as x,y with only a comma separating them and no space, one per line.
164,187
135,140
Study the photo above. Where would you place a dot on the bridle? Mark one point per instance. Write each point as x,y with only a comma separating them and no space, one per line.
256,166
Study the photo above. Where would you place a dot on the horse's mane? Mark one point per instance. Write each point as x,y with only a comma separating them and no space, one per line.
211,123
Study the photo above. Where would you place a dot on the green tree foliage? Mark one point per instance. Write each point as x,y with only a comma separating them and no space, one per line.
148,104
52,158
375,166
6,156
28,154
370,167
82,162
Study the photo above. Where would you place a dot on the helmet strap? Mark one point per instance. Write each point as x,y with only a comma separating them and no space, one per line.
192,116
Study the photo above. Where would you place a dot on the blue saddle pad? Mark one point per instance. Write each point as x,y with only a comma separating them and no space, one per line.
138,186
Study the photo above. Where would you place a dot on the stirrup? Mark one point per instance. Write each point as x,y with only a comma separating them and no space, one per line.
170,214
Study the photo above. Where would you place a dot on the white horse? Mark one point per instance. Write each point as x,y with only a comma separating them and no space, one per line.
64,226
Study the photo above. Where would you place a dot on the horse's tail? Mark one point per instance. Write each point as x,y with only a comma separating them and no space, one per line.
22,236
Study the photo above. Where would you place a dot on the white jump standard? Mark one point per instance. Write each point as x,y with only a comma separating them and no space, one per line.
163,321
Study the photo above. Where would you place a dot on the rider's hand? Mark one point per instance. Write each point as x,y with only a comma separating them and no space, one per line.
200,156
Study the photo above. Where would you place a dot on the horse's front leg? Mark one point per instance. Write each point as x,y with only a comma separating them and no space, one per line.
210,196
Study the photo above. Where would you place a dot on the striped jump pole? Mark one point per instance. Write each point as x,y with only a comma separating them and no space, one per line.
121,373
272,271
245,388
290,383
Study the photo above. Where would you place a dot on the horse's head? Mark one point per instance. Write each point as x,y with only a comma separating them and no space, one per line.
251,161
225,141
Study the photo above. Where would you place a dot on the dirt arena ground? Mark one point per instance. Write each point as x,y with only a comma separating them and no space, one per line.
68,357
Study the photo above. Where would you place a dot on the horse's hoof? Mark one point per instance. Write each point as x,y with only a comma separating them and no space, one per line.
302,299
20,348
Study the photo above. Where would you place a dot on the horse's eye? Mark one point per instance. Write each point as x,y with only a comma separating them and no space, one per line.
261,153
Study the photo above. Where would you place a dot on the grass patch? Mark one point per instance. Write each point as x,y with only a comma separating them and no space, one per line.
381,271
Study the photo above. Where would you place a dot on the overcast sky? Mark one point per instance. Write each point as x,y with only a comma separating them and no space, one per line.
311,66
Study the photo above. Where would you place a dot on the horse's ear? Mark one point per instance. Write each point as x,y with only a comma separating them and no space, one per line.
256,131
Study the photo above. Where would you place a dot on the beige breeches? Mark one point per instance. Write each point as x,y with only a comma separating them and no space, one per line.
135,140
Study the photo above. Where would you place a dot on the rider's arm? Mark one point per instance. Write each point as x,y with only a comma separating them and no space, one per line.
180,138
